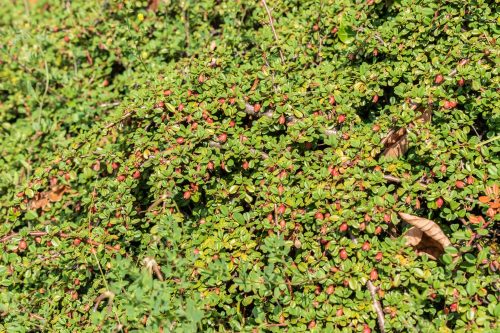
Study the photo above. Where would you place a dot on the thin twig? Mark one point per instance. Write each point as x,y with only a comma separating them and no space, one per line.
274,31
376,306
373,292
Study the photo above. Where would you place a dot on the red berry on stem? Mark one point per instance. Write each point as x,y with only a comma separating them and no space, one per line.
341,118
22,245
187,195
136,174
439,202
343,227
282,120
245,165
121,178
343,254
366,246
223,137
167,92
459,184
438,79
281,209
373,275
379,256
375,99
319,216
180,140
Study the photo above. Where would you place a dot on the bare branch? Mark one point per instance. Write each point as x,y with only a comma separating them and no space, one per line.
274,31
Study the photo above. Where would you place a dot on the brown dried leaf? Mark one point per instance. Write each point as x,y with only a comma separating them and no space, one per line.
423,243
430,228
396,143
413,236
38,203
56,193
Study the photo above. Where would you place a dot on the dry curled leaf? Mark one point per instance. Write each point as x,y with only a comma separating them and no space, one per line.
42,199
396,143
430,228
425,236
423,243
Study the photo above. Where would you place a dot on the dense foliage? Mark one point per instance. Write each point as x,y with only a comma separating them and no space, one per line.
178,166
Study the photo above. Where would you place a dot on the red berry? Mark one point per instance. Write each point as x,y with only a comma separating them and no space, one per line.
330,290
223,137
281,209
315,27
387,218
461,82
470,180
210,165
311,325
366,246
180,107
38,239
319,216
222,100
256,107
334,30
454,307
201,78
121,178
373,275
459,184
22,245
438,79
194,126
180,140
167,92
282,120
331,100
136,174
341,118
340,312
115,165
77,241
379,256
232,123
375,99
187,195
439,202
450,104
367,329
362,226
375,52
245,165
196,252
343,227
76,282
343,254
378,230
105,83
66,39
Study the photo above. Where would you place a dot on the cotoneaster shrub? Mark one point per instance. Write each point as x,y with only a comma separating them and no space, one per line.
163,169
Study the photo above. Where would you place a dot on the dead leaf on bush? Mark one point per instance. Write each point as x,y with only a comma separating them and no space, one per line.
42,199
396,143
425,236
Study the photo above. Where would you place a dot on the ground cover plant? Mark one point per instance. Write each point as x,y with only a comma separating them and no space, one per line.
249,166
